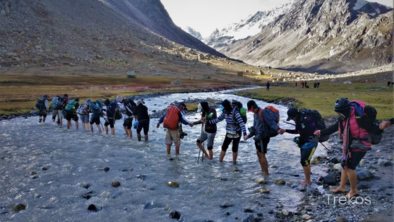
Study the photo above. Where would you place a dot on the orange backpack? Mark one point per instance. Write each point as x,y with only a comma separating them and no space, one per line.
172,118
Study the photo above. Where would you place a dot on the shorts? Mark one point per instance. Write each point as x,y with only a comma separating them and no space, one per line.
143,124
262,148
95,120
228,140
207,136
84,118
42,113
71,115
128,122
307,151
172,136
110,122
354,160
57,113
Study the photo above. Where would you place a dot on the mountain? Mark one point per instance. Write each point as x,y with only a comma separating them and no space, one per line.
326,36
193,33
123,34
248,27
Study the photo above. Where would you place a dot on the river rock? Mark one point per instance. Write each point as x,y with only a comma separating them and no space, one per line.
172,184
280,182
92,207
337,167
341,219
249,218
384,163
330,179
260,181
334,160
306,217
175,215
285,213
18,207
315,160
363,174
115,184
226,205
263,190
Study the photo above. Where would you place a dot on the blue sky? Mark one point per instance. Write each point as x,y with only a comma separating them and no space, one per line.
207,15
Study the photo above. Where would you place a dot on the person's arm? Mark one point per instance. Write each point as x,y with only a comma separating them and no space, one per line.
220,118
183,119
162,118
240,122
330,130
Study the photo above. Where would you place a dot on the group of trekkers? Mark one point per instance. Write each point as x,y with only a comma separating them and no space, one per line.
90,112
356,124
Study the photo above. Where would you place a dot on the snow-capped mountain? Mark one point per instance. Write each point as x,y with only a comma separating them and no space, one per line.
317,35
245,28
193,32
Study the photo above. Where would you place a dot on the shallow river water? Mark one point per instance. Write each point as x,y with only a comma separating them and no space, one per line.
70,163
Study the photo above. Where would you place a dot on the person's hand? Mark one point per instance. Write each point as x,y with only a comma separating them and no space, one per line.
245,137
317,133
281,131
191,124
158,125
383,125
203,119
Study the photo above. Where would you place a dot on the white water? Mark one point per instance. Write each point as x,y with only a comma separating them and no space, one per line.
75,158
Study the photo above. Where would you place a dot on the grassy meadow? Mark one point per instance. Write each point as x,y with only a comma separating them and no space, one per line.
376,94
19,93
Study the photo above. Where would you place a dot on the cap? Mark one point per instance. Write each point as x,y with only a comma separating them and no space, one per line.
291,113
119,98
88,100
251,105
199,108
342,105
184,105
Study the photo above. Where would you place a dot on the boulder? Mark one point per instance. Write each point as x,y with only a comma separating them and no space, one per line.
280,182
364,174
172,184
175,215
384,163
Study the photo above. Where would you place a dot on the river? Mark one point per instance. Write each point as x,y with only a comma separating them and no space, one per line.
48,169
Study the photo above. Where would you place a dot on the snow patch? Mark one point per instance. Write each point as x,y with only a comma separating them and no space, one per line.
359,4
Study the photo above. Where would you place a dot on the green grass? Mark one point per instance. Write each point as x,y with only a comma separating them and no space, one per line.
323,98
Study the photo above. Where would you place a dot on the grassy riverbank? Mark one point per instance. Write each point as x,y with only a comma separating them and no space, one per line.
19,93
374,93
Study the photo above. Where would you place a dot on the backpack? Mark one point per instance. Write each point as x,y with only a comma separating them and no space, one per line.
238,106
368,121
96,109
40,105
171,118
320,124
83,109
53,103
130,107
274,114
59,103
113,111
70,105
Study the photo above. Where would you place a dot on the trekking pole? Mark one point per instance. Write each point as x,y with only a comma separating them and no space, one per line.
199,152
325,146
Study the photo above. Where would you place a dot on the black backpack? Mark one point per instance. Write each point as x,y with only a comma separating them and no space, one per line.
130,107
40,104
369,122
113,111
320,124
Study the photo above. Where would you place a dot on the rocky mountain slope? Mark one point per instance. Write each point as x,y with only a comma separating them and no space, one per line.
116,34
327,36
193,33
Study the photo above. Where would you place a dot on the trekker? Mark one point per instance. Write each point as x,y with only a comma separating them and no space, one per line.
59,104
112,109
265,123
127,107
209,131
268,86
83,111
305,126
143,119
235,127
96,108
356,142
42,106
172,118
71,112
302,84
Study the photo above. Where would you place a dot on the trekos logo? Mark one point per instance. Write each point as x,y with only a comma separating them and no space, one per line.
352,201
